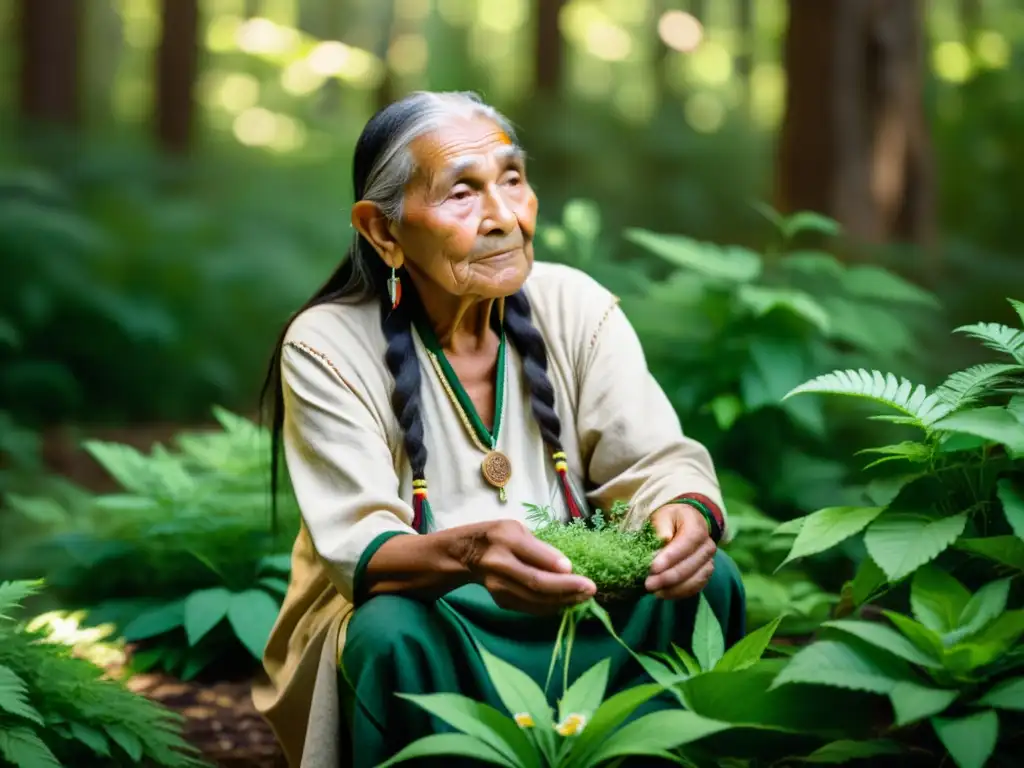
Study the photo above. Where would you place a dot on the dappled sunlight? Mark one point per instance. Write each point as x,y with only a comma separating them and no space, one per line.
680,31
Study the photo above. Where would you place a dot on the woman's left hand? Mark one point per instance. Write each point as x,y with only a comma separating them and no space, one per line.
684,565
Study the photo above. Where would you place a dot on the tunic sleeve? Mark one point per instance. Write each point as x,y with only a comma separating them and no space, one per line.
631,440
341,466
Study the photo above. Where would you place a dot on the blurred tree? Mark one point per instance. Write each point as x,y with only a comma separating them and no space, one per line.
548,54
177,67
745,55
854,142
49,79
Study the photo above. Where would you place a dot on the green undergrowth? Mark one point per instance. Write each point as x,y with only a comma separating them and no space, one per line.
613,558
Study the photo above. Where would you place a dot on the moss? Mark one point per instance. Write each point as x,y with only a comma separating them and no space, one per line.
617,561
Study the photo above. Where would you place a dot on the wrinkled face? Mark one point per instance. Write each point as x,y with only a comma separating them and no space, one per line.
469,214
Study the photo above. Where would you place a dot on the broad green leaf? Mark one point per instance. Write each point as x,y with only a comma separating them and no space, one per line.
1007,550
23,748
277,586
872,282
887,639
656,732
984,606
1005,629
761,300
730,264
790,527
844,751
156,621
609,716
276,564
14,696
1012,499
912,702
920,408
519,694
825,528
1008,694
937,599
585,695
902,543
809,221
868,578
92,738
204,610
708,642
924,638
582,218
969,740
252,614
842,665
993,423
126,740
749,650
480,721
689,663
449,745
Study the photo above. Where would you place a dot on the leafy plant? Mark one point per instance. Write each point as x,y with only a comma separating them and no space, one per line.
183,560
618,561
57,709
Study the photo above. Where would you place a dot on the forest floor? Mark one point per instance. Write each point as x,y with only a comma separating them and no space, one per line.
220,719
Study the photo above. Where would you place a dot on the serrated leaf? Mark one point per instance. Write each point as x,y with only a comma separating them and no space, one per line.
937,599
92,738
1012,499
1008,694
13,593
156,621
14,696
912,702
1007,550
984,607
204,609
1018,307
23,748
749,650
868,578
994,423
827,527
924,638
886,639
126,740
844,751
449,745
916,453
252,615
902,543
969,740
708,642
842,665
916,405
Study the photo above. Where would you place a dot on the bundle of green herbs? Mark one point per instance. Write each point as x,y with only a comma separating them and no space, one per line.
615,559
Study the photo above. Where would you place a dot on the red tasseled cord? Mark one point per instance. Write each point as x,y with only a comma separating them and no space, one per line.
570,498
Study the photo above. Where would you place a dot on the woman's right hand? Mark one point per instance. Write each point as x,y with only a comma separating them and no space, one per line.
521,572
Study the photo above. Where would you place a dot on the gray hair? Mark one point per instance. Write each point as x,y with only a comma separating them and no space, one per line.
394,166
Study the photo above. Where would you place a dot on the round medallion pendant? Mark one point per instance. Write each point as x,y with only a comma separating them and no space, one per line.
497,469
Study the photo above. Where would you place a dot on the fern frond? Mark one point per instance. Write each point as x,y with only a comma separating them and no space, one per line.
1001,338
12,593
967,387
1018,306
907,451
919,408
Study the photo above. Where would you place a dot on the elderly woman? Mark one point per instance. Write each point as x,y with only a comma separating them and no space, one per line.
438,383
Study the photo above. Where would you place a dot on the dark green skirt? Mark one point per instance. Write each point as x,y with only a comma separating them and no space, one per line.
400,645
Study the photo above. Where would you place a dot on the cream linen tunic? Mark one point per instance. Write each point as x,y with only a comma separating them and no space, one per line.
343,448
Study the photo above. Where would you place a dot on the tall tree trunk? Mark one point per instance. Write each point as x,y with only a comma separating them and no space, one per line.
391,28
855,143
50,37
549,51
745,57
177,67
